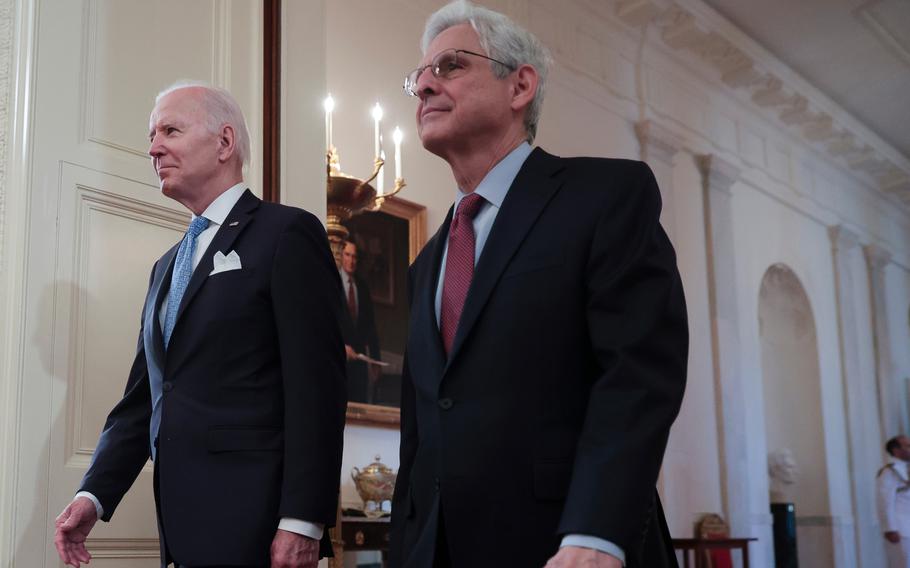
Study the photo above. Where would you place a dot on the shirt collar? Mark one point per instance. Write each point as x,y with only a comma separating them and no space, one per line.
219,209
495,185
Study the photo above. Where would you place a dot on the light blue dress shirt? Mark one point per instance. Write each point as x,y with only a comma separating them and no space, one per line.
493,188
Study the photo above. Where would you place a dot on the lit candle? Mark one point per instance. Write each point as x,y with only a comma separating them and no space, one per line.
396,137
329,105
377,117
380,179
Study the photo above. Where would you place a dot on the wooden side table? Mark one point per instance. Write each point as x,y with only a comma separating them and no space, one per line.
699,545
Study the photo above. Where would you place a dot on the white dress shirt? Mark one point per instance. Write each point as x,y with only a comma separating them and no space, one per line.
493,188
216,213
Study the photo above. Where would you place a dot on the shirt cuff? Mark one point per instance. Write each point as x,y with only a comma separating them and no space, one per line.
595,543
312,530
98,508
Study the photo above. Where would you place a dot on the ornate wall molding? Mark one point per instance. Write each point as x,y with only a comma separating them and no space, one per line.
717,173
744,67
657,142
842,238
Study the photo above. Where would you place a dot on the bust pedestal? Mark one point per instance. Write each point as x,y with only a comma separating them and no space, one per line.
784,515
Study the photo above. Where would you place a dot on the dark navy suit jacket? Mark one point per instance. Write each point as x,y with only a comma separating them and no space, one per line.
551,414
254,394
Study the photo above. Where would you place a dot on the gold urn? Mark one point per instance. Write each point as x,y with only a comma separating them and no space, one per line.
375,484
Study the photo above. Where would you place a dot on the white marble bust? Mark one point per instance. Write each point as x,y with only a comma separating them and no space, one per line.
782,471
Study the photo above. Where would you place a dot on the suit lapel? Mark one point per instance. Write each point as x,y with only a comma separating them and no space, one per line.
153,338
529,193
233,225
429,301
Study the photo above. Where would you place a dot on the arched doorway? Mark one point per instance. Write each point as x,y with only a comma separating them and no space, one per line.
793,408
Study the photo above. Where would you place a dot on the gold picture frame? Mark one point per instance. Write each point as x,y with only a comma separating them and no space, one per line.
416,217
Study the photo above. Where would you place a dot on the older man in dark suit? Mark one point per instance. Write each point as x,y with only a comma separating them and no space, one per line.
548,338
237,389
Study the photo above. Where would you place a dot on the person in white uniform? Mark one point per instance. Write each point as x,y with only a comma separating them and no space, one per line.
893,483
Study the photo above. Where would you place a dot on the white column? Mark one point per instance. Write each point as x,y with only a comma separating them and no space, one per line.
718,177
891,406
863,444
658,146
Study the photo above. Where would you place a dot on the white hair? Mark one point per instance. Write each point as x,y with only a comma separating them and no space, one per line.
221,108
503,40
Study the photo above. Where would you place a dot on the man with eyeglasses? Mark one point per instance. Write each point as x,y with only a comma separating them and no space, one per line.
548,341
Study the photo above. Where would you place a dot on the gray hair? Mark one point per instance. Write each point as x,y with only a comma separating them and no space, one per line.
221,108
502,39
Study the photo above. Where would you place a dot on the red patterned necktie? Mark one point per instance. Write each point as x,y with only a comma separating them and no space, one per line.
459,267
352,301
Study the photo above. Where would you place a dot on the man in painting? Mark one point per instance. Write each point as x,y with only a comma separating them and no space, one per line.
358,329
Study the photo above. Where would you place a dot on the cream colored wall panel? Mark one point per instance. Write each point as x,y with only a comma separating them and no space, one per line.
751,146
111,230
722,130
135,49
620,73
779,162
111,275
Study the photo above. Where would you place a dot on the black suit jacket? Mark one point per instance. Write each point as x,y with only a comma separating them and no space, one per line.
551,414
254,396
360,334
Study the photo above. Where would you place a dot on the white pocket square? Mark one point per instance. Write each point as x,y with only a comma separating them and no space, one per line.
223,262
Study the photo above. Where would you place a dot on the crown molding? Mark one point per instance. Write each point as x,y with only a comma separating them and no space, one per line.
691,27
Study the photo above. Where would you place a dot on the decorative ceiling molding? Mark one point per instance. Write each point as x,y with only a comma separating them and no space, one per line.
884,19
792,101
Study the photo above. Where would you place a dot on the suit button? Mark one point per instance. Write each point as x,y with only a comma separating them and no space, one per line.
167,386
446,403
436,483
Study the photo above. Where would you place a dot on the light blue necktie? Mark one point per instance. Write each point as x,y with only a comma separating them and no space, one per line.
183,270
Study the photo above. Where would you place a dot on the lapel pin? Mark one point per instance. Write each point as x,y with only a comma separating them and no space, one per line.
233,223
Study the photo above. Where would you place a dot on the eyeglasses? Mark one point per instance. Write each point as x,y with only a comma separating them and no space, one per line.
445,65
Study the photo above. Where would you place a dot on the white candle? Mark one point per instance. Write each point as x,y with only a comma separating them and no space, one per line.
380,179
377,117
329,105
396,137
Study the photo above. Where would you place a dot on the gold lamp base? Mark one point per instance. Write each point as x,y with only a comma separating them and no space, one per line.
347,196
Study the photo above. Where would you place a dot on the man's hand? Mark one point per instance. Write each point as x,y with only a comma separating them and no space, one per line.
72,528
374,372
292,550
893,537
350,353
578,557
